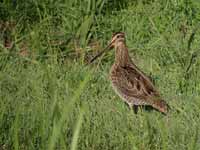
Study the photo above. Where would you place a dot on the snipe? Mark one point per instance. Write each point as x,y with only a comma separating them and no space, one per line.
128,81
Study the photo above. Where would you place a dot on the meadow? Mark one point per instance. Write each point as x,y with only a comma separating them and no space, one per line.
50,99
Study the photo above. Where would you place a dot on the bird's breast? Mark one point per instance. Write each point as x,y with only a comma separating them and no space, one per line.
113,72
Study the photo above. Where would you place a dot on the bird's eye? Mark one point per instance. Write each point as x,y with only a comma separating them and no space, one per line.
118,36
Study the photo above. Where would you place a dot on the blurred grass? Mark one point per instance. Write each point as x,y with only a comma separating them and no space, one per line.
51,100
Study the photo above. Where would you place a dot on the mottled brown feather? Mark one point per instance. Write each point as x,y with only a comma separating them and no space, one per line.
130,83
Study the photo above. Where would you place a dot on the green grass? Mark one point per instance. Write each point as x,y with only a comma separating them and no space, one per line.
52,100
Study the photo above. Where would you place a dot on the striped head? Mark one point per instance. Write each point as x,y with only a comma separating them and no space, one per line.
116,38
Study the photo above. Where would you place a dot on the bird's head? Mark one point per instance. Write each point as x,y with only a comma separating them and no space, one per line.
117,38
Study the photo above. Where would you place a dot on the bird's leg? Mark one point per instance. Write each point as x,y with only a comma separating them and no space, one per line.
141,108
135,108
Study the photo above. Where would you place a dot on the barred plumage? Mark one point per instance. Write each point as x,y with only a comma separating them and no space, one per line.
128,81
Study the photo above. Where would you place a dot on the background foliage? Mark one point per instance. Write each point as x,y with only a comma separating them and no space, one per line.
49,98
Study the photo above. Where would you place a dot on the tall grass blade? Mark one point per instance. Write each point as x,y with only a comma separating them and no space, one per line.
66,109
76,132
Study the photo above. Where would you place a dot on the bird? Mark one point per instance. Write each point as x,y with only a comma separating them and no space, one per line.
132,85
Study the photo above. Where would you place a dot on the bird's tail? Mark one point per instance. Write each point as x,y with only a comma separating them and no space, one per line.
161,105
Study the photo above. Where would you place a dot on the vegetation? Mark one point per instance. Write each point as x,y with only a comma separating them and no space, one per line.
50,99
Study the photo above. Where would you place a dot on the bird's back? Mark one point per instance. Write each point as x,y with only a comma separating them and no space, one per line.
134,87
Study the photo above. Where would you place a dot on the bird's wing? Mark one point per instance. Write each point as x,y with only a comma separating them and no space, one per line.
134,83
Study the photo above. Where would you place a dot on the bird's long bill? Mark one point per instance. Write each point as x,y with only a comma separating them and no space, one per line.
100,53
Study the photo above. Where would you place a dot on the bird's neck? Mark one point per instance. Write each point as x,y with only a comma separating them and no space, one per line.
121,54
